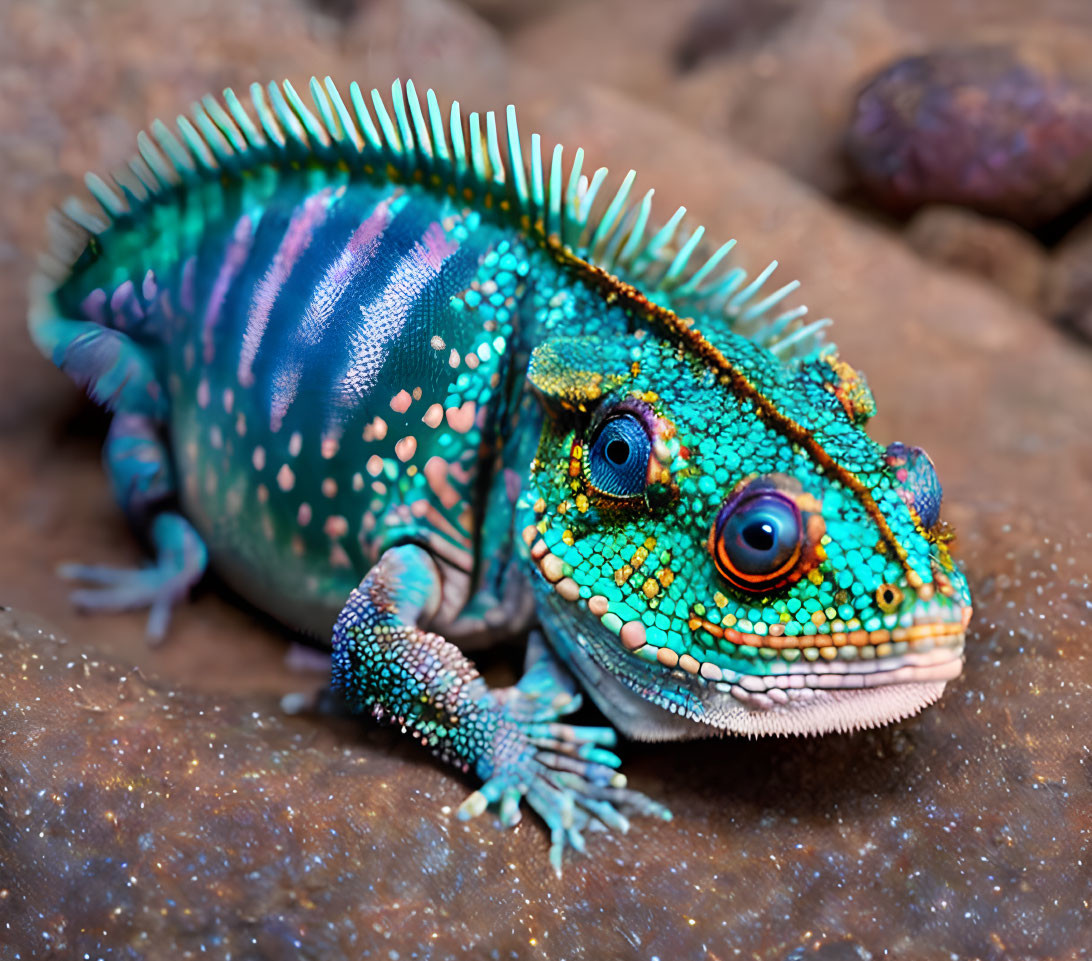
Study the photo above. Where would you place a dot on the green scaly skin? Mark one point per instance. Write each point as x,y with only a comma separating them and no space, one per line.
387,379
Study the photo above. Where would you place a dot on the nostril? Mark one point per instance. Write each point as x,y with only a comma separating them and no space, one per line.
918,484
888,598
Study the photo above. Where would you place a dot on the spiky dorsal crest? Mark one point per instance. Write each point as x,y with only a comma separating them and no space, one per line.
406,141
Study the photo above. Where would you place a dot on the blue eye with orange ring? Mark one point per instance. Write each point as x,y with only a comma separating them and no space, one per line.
618,456
759,540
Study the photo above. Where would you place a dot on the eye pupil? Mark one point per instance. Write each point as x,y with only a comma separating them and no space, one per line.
618,456
758,539
759,535
617,452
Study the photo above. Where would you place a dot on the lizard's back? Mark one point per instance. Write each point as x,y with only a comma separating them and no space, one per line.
325,399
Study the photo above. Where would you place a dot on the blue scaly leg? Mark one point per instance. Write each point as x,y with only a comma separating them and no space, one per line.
511,738
139,468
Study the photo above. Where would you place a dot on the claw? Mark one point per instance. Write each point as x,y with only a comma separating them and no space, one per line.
607,813
181,558
576,840
603,736
599,755
510,814
94,573
125,590
595,773
557,849
565,771
472,807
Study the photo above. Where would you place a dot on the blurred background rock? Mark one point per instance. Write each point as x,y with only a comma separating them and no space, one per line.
925,169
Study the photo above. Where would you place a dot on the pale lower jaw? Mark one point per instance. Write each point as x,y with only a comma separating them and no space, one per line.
827,703
821,704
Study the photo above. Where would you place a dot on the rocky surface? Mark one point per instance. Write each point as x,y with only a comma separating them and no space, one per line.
778,77
1002,130
999,252
964,833
1068,287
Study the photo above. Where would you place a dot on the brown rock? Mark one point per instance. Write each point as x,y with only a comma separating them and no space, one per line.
998,252
999,129
508,15
1069,283
779,78
725,26
135,816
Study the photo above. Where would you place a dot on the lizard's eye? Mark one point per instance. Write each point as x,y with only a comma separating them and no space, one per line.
758,539
618,456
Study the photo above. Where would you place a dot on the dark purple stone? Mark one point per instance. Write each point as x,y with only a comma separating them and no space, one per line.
992,128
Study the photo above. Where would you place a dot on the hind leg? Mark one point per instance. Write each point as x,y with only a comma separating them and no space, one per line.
138,465
117,372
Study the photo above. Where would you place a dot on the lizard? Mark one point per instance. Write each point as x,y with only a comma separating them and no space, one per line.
409,387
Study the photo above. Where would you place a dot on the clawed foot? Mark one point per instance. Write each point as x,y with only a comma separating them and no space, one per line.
566,772
181,561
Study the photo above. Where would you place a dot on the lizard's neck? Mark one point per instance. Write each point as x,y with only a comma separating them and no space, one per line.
497,599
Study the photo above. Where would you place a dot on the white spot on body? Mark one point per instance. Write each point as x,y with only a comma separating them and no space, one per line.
336,526
338,557
286,480
257,457
434,416
406,448
376,430
295,444
461,418
233,501
436,469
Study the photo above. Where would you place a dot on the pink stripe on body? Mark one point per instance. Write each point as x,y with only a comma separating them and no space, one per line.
295,241
234,259
357,255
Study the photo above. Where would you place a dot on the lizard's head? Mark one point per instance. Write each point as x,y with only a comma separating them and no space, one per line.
715,530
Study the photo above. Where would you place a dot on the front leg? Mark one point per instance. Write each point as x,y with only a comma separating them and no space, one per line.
512,739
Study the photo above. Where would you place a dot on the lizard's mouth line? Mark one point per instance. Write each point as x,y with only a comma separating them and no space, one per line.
927,649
